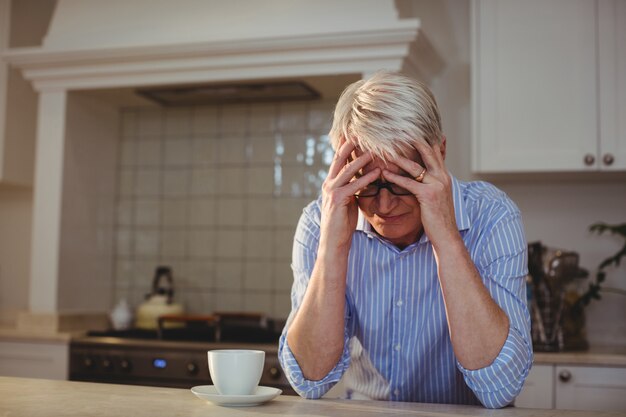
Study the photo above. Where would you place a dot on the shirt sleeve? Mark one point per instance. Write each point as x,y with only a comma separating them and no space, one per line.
503,267
304,254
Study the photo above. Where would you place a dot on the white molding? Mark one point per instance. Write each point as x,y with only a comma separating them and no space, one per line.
320,54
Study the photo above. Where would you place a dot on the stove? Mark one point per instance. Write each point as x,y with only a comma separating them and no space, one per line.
174,357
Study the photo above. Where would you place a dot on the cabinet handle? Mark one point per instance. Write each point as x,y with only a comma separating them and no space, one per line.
589,159
565,375
608,159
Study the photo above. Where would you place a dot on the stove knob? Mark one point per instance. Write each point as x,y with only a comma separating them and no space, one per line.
274,373
125,365
192,368
88,363
107,364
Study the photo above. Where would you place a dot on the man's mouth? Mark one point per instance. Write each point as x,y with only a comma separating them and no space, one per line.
385,218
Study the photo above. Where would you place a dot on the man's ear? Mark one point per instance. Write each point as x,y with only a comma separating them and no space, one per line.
442,146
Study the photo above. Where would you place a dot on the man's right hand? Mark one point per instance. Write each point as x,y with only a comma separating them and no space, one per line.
316,336
339,209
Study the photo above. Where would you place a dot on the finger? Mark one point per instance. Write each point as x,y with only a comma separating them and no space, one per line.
410,167
341,158
360,183
404,182
428,155
353,167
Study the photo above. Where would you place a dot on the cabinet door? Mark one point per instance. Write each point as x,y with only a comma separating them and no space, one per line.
590,388
612,66
535,101
34,360
538,391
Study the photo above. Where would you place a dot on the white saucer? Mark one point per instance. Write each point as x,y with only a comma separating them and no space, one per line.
209,393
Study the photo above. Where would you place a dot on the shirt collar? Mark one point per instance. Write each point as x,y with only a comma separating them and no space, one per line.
460,212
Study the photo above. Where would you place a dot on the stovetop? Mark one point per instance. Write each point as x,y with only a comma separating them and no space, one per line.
190,334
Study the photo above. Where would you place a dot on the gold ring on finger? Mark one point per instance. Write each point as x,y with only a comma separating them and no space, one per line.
420,177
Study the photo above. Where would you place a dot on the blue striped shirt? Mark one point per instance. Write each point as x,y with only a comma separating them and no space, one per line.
397,345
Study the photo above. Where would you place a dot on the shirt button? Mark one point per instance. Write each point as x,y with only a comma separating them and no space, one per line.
396,392
398,347
399,303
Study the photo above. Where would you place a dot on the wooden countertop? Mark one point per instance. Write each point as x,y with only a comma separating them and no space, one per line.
39,398
596,356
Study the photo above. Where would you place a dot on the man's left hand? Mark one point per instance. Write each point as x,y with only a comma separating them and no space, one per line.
433,192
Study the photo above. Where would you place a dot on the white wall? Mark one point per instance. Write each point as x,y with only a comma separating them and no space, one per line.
557,208
29,20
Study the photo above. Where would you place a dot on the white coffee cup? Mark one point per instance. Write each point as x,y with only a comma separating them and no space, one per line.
236,371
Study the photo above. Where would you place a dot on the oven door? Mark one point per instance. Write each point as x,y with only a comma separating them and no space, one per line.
155,363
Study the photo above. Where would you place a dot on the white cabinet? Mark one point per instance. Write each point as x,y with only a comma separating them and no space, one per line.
575,387
41,359
548,85
590,388
538,389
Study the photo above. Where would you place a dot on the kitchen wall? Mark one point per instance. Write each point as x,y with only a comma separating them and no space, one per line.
216,192
557,208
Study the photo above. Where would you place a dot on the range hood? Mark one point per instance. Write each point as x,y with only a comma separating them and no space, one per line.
92,45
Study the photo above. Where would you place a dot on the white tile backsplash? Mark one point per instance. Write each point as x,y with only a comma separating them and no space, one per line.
177,152
263,118
204,181
260,211
126,183
216,193
234,119
228,275
150,123
123,242
176,182
173,244
258,301
124,209
148,183
128,152
204,121
204,151
201,243
262,148
232,150
258,244
175,212
232,181
147,243
178,122
202,212
230,243
129,125
260,180
147,212
229,301
149,152
258,275
231,211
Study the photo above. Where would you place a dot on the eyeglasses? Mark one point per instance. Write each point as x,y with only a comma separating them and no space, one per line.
373,189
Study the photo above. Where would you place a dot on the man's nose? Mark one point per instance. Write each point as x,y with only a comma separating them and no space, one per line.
386,201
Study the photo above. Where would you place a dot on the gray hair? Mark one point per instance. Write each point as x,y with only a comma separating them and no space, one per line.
386,114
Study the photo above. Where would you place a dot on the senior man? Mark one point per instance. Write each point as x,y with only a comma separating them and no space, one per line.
405,278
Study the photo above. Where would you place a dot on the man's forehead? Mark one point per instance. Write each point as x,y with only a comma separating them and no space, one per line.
379,163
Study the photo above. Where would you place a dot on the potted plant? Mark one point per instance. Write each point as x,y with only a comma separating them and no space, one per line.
574,319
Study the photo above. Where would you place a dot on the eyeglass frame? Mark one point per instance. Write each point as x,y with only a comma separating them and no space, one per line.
387,185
